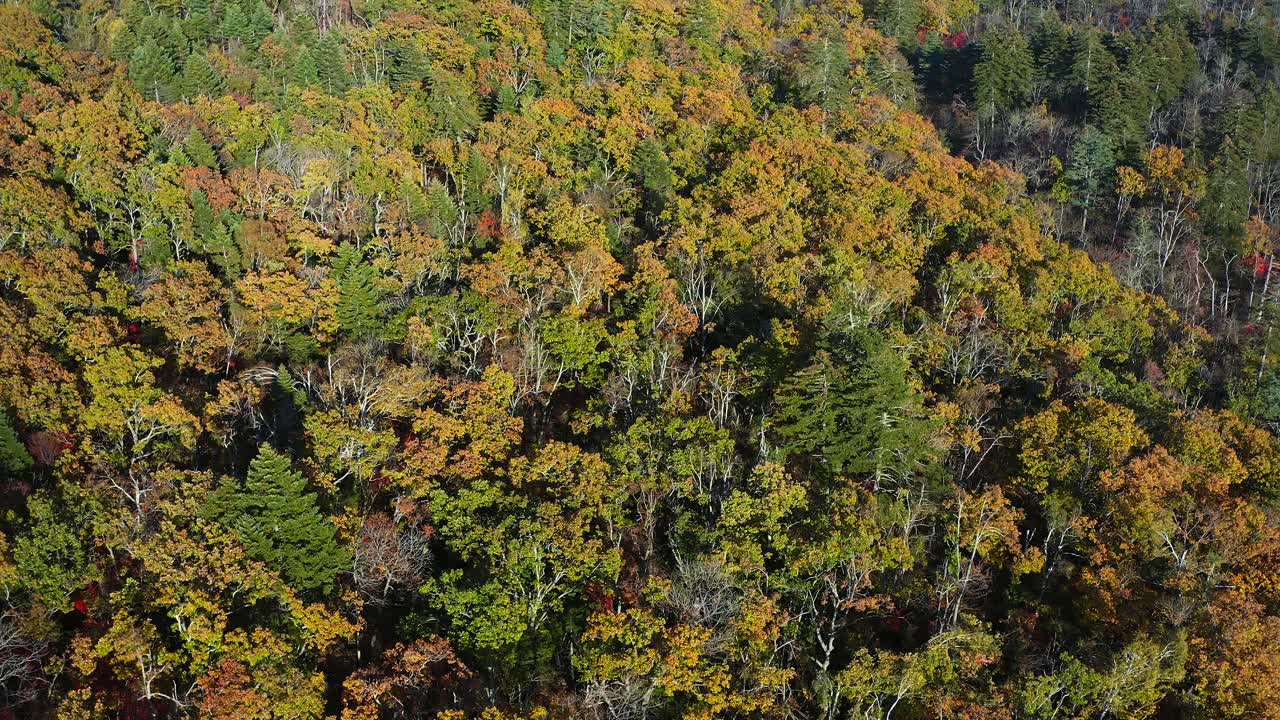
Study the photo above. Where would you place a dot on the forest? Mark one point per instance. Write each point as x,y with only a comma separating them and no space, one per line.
639,359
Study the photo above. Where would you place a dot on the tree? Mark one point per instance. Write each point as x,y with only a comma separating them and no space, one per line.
1092,160
824,77
1002,78
360,308
199,77
13,455
152,70
331,68
280,523
853,412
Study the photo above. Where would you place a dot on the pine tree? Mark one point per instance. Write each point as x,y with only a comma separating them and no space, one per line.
199,77
854,412
279,523
199,149
331,68
360,308
198,24
203,217
1092,160
13,455
1226,205
260,23
235,24
304,70
474,196
151,70
508,101
442,211
123,42
1002,78
408,65
453,101
824,78
651,166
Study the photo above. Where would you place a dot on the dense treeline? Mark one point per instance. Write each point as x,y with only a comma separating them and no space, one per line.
639,359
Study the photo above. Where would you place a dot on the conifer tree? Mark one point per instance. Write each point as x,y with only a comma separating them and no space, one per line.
854,412
199,77
199,149
1002,77
123,42
151,70
235,24
360,306
199,21
1092,159
408,64
824,79
260,23
13,456
304,71
279,523
507,101
331,68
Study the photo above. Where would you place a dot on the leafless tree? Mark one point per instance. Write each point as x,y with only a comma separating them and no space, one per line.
387,557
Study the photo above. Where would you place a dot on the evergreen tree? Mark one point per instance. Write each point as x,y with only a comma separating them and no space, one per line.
360,308
13,455
454,102
199,150
1051,48
151,70
235,24
1002,78
199,77
203,217
651,166
279,523
1092,160
331,67
304,70
123,42
508,101
854,412
1093,77
408,65
1225,207
442,211
477,175
198,24
824,77
260,23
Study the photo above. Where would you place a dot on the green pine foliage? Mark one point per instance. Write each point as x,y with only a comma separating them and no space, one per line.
361,311
279,523
13,454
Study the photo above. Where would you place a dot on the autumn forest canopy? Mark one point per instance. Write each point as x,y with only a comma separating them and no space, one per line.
639,359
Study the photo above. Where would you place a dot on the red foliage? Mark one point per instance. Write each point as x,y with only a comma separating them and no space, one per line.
488,225
601,597
955,41
46,446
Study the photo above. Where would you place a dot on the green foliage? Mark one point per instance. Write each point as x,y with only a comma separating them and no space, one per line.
13,455
199,77
1002,78
152,70
854,412
361,311
639,360
824,77
51,559
279,523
